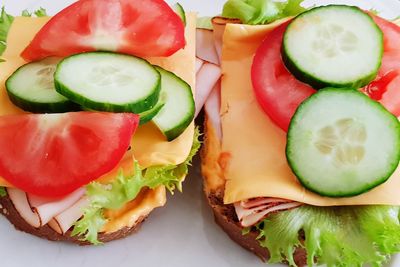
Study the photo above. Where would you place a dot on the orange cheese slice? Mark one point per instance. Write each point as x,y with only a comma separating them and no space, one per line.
256,165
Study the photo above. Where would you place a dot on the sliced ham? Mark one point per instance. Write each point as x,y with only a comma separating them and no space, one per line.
21,204
219,24
205,48
65,220
206,79
53,224
261,201
242,212
212,108
48,208
251,216
213,102
39,211
199,64
218,34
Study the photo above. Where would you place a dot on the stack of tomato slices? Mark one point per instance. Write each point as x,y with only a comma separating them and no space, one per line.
51,155
280,93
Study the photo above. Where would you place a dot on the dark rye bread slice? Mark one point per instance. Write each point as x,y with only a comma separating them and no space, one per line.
225,215
8,210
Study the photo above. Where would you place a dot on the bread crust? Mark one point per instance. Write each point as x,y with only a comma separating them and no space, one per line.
225,215
46,232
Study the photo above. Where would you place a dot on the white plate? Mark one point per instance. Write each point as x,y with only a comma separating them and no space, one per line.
181,234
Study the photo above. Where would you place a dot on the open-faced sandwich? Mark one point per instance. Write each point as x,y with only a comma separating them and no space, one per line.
96,111
301,154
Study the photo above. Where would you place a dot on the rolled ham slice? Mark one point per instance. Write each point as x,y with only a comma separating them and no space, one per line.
199,64
53,224
206,79
47,209
65,220
261,201
21,204
247,207
251,216
38,211
205,48
212,108
213,102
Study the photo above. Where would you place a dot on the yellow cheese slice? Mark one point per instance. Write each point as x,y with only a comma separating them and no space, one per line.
256,163
148,144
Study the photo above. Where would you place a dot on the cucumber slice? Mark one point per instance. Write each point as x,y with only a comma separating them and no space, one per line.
179,108
178,8
107,81
333,46
342,143
31,88
148,115
145,116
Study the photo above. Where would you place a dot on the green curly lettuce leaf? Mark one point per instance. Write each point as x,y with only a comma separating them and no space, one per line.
5,23
41,12
335,236
246,230
3,192
125,188
26,13
257,12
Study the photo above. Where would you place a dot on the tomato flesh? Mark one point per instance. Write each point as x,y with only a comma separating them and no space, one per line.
277,90
279,93
137,27
51,155
377,88
386,86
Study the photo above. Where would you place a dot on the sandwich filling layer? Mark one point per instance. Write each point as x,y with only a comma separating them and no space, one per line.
149,146
254,147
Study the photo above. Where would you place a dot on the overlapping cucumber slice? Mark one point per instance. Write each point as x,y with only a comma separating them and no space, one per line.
342,143
179,108
333,46
31,88
148,115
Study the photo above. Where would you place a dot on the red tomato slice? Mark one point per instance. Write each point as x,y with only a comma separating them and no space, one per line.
51,155
386,87
279,93
137,27
277,90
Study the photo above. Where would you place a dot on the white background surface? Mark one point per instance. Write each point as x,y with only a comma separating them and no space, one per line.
181,234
